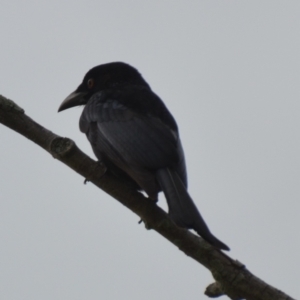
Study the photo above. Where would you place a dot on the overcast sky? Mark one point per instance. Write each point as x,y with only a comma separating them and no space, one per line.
228,71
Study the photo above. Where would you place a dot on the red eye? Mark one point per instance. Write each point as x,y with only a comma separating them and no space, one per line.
90,83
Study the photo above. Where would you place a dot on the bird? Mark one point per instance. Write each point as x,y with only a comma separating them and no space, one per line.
132,133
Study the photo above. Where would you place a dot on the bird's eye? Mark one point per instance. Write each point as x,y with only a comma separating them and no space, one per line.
90,83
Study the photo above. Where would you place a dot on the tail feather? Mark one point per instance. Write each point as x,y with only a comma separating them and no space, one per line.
182,209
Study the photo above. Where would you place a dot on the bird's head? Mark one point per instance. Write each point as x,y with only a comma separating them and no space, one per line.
102,77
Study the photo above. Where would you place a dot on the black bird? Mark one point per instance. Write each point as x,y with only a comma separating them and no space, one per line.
132,132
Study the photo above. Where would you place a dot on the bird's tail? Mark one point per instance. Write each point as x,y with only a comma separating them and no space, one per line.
182,209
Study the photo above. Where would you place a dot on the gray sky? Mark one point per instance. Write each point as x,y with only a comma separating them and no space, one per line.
228,71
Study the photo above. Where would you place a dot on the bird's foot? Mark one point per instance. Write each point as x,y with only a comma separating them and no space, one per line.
98,168
147,226
154,198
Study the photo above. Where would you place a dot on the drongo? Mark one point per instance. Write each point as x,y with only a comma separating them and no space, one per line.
133,133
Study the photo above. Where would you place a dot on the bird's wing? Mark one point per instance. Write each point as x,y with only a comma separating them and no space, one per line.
141,140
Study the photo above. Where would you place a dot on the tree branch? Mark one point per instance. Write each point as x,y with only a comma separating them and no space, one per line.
232,277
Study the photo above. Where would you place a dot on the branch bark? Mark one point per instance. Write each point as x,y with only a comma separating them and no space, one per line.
232,278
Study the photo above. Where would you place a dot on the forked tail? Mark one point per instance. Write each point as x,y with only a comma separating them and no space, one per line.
182,209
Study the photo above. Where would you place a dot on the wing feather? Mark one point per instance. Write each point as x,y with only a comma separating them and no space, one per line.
141,140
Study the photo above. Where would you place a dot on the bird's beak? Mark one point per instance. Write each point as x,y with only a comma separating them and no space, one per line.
74,99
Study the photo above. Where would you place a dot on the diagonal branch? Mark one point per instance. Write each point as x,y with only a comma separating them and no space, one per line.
232,278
